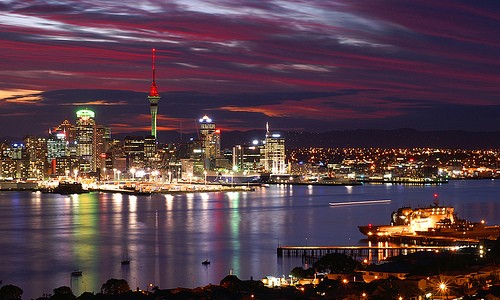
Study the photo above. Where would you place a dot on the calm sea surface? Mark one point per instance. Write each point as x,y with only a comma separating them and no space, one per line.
44,237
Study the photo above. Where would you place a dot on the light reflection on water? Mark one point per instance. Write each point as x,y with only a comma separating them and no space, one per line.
46,236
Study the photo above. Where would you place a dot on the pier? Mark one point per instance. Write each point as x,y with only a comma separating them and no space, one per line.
368,254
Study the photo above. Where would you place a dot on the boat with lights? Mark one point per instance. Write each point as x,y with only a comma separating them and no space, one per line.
432,221
67,188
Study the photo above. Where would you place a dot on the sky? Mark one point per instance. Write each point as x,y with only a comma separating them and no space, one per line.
304,65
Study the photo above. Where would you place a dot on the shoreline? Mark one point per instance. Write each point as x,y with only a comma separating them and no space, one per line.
32,186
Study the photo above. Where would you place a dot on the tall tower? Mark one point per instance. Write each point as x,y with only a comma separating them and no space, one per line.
153,98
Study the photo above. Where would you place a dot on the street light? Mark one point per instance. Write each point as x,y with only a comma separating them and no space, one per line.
443,288
205,173
155,174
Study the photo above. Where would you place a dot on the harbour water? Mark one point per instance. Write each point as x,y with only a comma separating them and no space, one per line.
44,237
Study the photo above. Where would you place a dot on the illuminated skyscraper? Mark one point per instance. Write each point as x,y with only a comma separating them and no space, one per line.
86,140
210,142
274,153
153,98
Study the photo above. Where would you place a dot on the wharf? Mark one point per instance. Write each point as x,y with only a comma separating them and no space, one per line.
418,181
372,254
428,240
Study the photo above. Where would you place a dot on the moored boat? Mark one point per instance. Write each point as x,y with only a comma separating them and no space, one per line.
67,188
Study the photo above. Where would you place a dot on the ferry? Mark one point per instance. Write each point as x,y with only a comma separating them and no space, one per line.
432,221
67,188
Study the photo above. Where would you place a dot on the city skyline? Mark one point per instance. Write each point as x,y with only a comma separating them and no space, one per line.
314,66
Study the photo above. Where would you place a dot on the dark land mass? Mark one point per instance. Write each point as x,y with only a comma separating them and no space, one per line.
362,138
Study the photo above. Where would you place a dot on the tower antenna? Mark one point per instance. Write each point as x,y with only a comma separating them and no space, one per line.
154,90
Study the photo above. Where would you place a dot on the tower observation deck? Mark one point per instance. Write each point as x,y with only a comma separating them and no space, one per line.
153,98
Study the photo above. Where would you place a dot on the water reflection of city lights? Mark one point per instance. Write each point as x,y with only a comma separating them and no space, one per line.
117,203
133,204
190,198
169,201
233,196
204,197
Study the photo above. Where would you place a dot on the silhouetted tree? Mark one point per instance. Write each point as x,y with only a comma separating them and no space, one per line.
10,292
336,263
86,296
115,286
63,293
299,272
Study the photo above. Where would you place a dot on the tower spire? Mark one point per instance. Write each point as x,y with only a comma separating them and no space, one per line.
154,90
153,97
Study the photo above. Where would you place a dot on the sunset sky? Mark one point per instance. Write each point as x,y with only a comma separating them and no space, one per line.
297,64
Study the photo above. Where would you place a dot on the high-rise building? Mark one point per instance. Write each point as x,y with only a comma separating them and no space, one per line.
68,129
247,157
210,142
86,140
134,152
103,139
153,98
57,145
36,155
150,158
274,159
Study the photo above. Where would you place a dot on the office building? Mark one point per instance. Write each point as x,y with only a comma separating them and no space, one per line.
210,142
273,156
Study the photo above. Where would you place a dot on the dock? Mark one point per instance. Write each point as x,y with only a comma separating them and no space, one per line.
372,254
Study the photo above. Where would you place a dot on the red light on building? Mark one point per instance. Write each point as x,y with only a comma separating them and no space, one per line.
103,155
217,131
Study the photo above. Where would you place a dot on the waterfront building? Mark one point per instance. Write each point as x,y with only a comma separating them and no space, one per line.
273,156
8,168
36,156
153,98
13,161
247,157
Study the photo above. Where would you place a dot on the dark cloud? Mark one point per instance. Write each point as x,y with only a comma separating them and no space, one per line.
301,64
